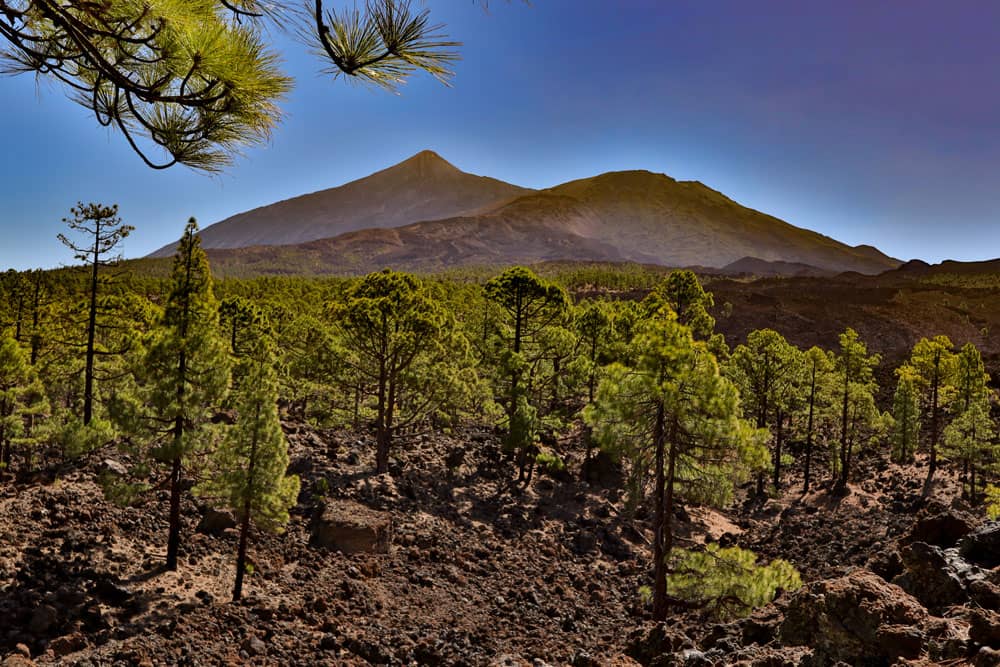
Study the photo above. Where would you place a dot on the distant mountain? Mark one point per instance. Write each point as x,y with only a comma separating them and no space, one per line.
425,214
918,267
752,266
424,187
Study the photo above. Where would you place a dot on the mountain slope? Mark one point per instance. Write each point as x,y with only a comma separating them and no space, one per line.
424,187
425,214
682,223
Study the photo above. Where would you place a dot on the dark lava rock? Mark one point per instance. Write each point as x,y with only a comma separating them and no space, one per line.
63,646
216,522
352,528
659,640
931,577
984,627
982,546
942,530
853,618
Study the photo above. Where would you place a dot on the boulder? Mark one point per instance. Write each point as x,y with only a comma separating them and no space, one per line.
982,546
853,618
932,576
602,470
352,528
660,640
216,522
984,627
43,619
63,646
942,530
16,660
985,593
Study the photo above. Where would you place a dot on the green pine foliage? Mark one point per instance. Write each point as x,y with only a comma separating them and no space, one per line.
23,404
181,378
934,363
860,420
769,373
247,470
971,438
905,415
683,293
727,581
993,501
405,349
527,308
673,411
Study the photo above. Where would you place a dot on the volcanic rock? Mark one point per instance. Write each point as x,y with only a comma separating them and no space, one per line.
351,528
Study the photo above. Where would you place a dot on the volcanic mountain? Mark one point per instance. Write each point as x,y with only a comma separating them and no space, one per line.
425,214
424,187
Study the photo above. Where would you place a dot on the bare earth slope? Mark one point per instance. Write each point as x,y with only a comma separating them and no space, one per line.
424,187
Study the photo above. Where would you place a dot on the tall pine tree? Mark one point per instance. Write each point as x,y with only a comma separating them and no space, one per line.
182,377
247,471
674,411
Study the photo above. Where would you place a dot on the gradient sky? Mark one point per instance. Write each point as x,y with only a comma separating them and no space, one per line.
872,122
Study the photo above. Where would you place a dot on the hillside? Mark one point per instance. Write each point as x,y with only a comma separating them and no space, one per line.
424,187
424,214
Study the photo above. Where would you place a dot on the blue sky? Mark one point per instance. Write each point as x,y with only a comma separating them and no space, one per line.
870,122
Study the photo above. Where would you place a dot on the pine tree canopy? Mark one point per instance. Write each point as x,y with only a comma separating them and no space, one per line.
193,82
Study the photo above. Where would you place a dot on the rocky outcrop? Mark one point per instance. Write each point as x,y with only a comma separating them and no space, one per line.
936,577
216,522
944,529
853,617
352,528
982,546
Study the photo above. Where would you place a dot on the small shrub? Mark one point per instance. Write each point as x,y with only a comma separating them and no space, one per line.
727,581
551,463
993,501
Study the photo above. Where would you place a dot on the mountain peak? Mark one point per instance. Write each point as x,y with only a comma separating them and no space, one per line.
427,163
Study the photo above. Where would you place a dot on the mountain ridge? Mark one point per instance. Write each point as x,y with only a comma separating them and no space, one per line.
444,217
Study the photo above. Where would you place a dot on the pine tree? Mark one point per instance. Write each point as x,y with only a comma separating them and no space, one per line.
247,470
406,346
934,360
818,364
906,415
195,78
970,379
727,581
182,377
105,231
767,370
674,411
857,395
528,305
22,399
686,298
971,439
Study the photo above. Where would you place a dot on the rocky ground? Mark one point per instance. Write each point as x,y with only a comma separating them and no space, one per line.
458,566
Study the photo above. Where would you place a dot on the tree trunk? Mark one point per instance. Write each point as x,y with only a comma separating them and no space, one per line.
36,339
384,436
241,553
88,376
842,481
659,523
777,450
667,530
932,461
174,535
809,432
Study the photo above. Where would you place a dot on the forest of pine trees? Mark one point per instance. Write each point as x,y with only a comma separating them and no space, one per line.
91,358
